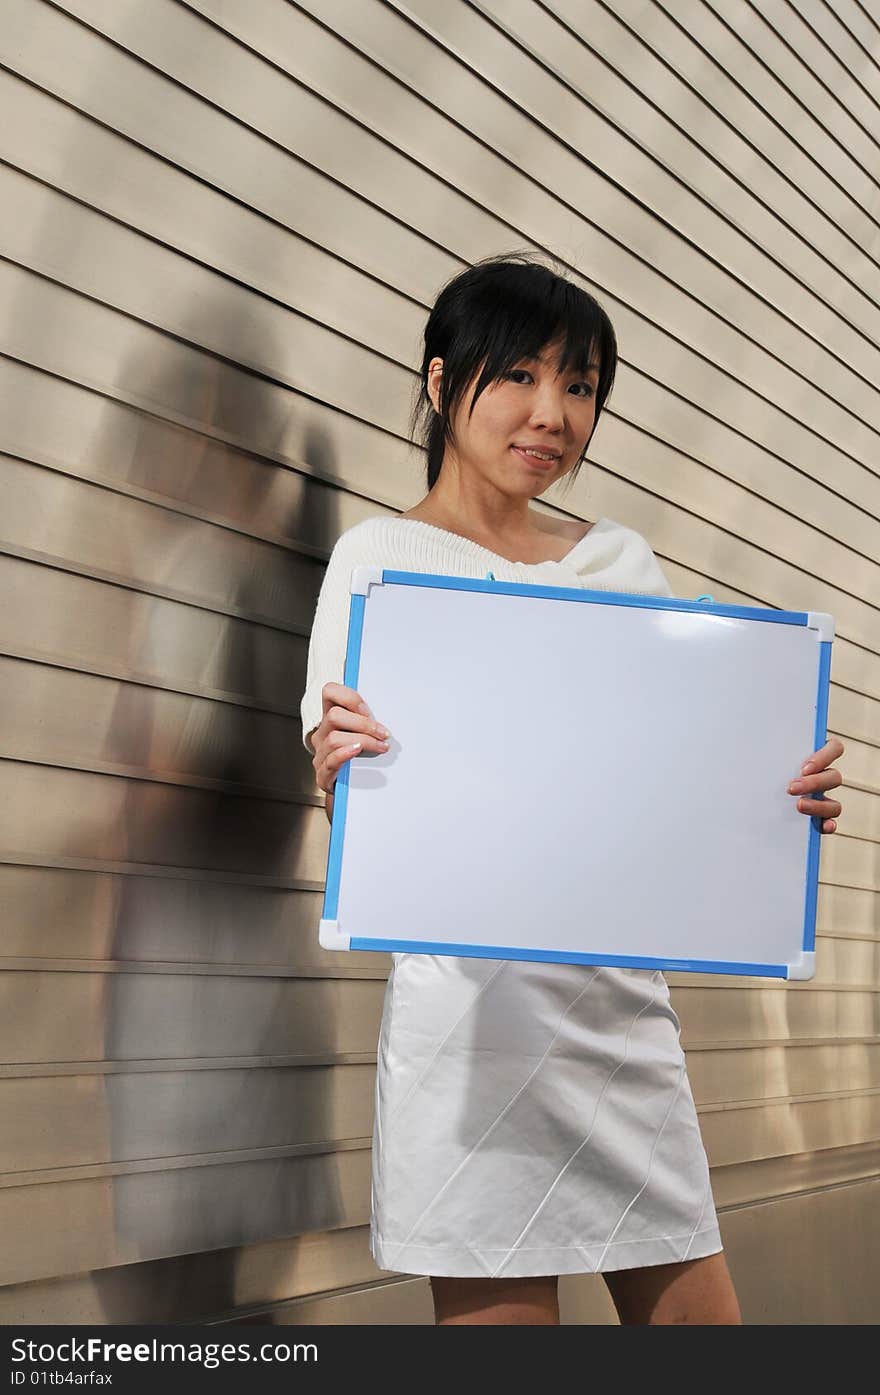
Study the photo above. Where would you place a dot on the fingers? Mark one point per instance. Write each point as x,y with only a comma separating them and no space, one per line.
347,729
814,779
820,808
811,784
819,760
339,748
338,695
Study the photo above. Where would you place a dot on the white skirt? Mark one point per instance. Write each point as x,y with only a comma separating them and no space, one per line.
533,1119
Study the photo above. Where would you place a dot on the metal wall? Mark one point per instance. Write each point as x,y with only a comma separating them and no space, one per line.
222,226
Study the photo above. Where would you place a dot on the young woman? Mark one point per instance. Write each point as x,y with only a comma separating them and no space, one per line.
531,1119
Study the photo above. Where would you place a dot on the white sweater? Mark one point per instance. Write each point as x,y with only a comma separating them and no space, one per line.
611,557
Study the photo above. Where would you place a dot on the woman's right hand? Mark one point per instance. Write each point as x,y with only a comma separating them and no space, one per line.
347,728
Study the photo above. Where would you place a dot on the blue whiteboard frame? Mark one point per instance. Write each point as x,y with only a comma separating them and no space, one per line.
330,935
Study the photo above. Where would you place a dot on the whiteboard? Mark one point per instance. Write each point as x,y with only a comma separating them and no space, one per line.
578,776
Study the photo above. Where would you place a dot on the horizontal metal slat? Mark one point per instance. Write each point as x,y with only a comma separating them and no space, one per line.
77,720
77,622
81,1121
52,516
673,67
775,73
269,78
105,440
73,818
58,913
829,56
190,1287
56,1017
72,1227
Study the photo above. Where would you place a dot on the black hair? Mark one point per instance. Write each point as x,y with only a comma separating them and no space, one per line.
497,312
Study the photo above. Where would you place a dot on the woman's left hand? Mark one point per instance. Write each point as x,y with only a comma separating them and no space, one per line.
814,778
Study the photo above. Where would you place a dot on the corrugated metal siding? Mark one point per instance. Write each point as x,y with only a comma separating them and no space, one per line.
222,227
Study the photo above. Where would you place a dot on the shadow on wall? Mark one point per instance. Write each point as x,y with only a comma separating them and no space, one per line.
204,835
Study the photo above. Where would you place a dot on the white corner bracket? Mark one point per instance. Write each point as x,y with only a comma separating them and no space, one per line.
818,620
804,968
362,578
331,937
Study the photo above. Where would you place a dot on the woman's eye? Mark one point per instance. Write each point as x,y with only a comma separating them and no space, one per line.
518,375
589,390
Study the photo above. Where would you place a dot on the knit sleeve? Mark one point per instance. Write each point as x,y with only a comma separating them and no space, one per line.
327,644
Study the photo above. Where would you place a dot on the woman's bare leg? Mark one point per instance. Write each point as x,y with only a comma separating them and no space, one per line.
502,1301
698,1291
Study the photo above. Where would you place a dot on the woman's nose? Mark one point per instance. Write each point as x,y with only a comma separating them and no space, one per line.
548,409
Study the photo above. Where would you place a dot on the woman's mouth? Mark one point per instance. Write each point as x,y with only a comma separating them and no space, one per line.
539,460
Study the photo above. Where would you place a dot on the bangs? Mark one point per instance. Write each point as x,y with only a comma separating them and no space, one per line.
515,315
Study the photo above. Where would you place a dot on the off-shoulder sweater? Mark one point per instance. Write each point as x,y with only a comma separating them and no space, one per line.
610,557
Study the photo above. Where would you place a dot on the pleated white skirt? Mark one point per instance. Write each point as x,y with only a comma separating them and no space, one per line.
533,1119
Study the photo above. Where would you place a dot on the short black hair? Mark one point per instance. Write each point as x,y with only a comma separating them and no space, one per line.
494,314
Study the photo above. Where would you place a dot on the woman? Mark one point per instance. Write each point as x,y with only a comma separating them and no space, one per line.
530,1119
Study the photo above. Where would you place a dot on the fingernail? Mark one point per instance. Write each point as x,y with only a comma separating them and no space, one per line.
796,786
383,732
807,769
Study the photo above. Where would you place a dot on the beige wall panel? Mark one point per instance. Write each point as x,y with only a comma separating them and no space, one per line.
420,61
127,823
163,1114
682,135
781,1013
374,26
672,69
722,1077
121,269
851,861
771,507
59,618
263,242
102,439
81,721
861,26
808,1259
851,711
303,137
757,48
730,78
209,38
848,910
827,52
865,759
69,1227
805,1172
53,1016
52,517
848,960
190,1287
760,1130
56,236
119,350
56,913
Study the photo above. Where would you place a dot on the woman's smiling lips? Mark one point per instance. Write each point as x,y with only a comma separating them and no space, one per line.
535,460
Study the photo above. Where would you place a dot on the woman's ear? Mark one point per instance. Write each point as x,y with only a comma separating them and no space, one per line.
435,376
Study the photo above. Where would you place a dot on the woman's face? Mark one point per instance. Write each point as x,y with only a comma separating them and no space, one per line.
527,430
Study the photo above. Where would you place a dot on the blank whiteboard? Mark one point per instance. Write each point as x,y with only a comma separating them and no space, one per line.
576,776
